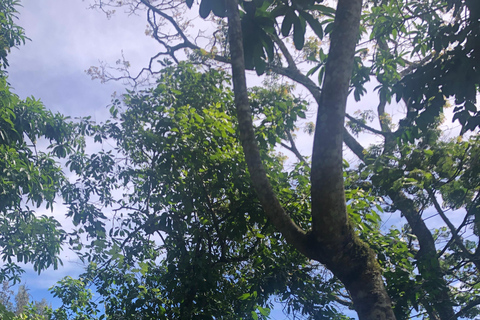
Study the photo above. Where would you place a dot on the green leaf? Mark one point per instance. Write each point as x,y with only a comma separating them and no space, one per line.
264,311
328,29
313,23
328,11
268,45
320,75
288,20
218,8
205,8
244,296
260,65
313,70
298,33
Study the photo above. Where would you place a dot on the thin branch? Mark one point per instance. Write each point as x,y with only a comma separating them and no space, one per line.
456,238
363,125
168,18
414,65
283,48
292,147
447,221
345,303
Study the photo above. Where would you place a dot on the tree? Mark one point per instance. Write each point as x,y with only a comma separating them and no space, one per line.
11,35
190,206
23,307
5,297
179,244
397,29
29,174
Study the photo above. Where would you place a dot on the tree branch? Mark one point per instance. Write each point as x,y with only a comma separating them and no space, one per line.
353,145
428,264
345,303
284,50
472,304
270,203
363,125
456,238
328,196
297,76
292,147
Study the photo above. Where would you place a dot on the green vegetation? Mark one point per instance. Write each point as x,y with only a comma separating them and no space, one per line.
190,211
17,306
30,176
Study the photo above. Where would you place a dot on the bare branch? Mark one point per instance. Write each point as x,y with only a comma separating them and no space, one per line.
363,125
456,238
292,147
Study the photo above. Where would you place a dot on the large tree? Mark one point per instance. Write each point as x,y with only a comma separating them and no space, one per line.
418,52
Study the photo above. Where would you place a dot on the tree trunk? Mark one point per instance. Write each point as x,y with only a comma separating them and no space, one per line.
332,240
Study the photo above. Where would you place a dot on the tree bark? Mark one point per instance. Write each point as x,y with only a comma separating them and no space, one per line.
345,255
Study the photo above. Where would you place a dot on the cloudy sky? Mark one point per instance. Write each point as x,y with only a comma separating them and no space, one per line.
67,39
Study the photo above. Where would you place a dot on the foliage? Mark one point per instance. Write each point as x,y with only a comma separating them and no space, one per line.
30,177
169,222
11,35
188,226
188,238
23,308
439,176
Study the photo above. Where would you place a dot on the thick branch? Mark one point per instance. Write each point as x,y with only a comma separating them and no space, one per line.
270,203
428,264
297,76
328,198
354,145
352,261
472,304
382,115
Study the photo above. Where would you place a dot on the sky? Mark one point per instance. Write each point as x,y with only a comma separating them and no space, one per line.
67,39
